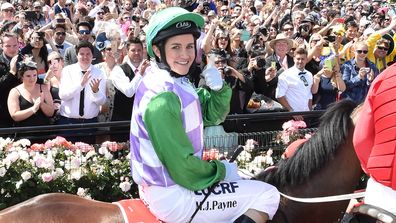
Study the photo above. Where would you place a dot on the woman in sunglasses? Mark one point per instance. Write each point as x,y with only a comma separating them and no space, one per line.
358,73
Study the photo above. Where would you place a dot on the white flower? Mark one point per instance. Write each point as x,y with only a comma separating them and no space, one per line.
115,162
68,152
75,174
18,184
22,142
103,150
125,186
23,155
26,175
58,172
3,171
81,192
108,156
4,143
90,154
13,156
46,177
75,163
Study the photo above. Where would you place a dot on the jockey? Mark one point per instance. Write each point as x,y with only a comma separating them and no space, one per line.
167,134
375,142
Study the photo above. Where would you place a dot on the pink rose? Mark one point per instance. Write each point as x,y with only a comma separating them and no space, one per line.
46,177
84,147
37,147
112,146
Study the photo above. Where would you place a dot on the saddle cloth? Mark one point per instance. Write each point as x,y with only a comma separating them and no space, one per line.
135,211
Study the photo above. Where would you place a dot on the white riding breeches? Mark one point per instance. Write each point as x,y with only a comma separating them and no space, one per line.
226,203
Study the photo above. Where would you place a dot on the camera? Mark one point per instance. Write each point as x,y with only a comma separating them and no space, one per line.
263,30
260,62
331,39
303,28
226,70
135,18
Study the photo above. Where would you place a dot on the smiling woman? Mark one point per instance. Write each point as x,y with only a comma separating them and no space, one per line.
167,133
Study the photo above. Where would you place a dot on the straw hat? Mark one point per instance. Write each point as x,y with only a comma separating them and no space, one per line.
280,37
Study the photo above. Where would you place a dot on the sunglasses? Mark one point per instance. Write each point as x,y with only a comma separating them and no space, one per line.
50,61
315,40
302,77
100,13
8,10
84,32
60,33
223,61
37,7
382,48
108,49
362,51
68,5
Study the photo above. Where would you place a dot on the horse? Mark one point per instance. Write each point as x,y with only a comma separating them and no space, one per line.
325,165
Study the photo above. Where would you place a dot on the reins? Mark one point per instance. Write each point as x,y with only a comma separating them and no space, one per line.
333,198
211,188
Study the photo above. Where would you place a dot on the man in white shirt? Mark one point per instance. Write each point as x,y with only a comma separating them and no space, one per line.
126,78
294,85
81,90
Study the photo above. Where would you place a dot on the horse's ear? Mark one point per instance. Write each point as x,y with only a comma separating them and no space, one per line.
355,113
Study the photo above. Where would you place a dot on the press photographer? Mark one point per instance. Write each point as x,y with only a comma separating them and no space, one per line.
241,84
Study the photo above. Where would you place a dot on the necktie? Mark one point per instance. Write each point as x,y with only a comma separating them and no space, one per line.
136,71
59,46
82,94
302,77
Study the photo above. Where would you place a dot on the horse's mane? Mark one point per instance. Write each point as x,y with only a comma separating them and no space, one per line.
311,156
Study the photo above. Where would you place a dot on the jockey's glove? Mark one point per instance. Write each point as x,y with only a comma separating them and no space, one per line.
212,76
231,171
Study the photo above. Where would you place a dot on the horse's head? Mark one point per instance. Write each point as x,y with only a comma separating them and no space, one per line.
324,165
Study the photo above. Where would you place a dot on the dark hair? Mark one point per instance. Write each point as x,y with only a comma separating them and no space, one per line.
256,50
22,69
219,52
134,40
351,24
43,50
84,44
84,23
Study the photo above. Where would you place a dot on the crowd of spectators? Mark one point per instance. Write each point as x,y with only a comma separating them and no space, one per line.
276,55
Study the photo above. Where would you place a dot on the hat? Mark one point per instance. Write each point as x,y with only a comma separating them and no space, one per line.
102,42
212,13
254,18
37,4
309,18
6,5
391,43
170,22
280,37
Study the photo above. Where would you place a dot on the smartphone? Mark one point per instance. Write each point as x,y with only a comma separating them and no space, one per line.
391,12
273,64
329,63
60,20
55,64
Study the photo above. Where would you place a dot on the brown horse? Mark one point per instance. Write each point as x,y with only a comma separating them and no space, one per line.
325,165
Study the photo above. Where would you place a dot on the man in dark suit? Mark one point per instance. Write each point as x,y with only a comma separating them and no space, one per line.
126,78
84,33
8,79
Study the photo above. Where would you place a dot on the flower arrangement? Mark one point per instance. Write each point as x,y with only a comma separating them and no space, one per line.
60,166
291,132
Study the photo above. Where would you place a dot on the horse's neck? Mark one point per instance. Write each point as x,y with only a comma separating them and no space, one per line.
339,176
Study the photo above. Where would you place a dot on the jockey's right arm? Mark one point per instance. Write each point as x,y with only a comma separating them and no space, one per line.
172,146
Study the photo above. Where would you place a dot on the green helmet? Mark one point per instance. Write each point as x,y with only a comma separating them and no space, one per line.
160,25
